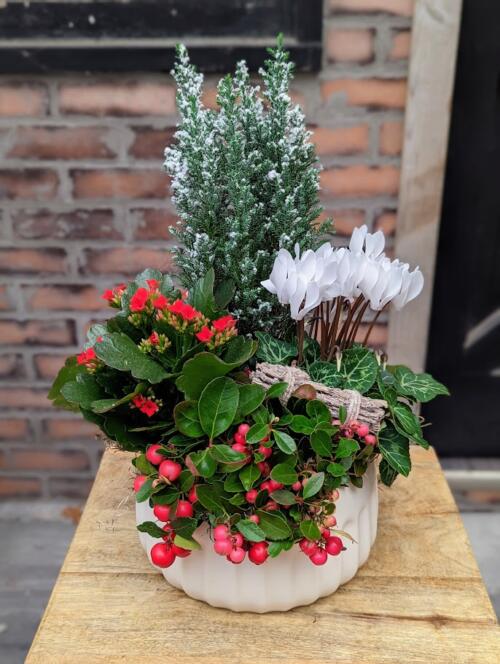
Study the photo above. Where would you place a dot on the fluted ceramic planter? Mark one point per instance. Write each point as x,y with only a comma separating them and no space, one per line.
280,583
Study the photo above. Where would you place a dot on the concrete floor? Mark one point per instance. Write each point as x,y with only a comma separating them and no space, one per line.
33,542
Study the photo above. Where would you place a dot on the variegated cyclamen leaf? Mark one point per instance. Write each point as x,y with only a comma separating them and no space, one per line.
395,449
274,350
359,368
422,386
326,373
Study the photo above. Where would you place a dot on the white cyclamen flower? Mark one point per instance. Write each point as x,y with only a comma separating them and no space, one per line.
371,244
411,287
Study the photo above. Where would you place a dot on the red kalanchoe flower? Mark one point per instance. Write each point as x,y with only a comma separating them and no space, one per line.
205,334
160,302
152,283
149,408
154,338
224,323
138,400
185,311
139,299
108,295
86,356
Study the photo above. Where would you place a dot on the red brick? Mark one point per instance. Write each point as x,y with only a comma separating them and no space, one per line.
150,143
69,429
117,98
127,260
349,45
153,224
11,429
361,181
209,97
386,221
44,459
369,92
37,332
23,397
120,183
74,487
32,261
398,7
343,140
60,143
47,366
391,138
18,487
74,225
30,183
344,221
72,298
11,367
401,44
22,100
5,300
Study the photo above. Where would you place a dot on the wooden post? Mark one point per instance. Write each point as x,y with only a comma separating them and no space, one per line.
435,34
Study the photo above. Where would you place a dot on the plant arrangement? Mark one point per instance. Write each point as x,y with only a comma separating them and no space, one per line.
181,378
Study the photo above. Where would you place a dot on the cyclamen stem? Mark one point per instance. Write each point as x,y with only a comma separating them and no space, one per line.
354,330
345,327
372,324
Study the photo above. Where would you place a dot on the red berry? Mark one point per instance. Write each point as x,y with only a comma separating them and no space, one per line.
139,481
270,506
265,486
240,447
330,521
258,553
325,533
169,530
162,512
307,546
237,555
237,539
239,439
334,545
335,494
170,469
363,430
243,429
184,509
264,468
221,532
152,454
179,551
223,547
254,518
192,497
265,451
162,555
251,495
274,486
297,486
319,557
370,439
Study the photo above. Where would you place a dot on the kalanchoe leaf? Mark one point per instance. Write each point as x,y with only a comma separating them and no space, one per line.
67,374
151,529
239,350
118,351
422,387
274,525
313,485
105,405
202,296
224,293
217,406
273,350
310,530
82,391
187,419
200,370
395,449
251,531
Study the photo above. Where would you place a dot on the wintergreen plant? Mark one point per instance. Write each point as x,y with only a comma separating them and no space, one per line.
245,182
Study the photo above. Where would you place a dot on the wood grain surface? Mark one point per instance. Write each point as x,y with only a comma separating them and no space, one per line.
419,598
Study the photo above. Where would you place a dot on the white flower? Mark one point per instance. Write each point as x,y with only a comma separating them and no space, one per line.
374,243
412,284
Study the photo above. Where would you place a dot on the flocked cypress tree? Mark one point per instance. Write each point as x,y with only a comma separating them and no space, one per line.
245,183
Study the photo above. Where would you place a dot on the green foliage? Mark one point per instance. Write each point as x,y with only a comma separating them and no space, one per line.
245,183
274,350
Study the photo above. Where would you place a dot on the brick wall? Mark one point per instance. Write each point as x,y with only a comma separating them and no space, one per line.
84,203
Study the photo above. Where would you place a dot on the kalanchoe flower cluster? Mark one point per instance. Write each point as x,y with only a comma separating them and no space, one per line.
114,295
147,405
218,332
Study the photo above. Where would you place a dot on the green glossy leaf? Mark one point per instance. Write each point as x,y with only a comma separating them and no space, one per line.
359,367
251,396
202,295
232,484
82,391
151,528
210,499
283,497
318,411
387,474
204,463
149,273
186,480
273,350
201,370
187,419
257,432
185,526
276,390
224,293
395,449
326,373
284,473
251,531
302,424
285,442
118,351
145,491
105,405
186,543
226,454
94,333
313,485
143,465
321,443
67,374
422,386
346,448
274,549
310,530
217,406
274,525
249,475
239,350
336,469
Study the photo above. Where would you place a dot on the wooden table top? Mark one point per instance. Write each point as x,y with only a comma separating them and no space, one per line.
419,598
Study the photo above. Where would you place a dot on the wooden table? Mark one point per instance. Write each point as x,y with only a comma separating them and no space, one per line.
420,597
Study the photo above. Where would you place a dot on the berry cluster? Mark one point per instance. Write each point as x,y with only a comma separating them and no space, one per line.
317,551
355,428
235,547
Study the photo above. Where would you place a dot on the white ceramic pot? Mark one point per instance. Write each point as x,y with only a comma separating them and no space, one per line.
280,583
